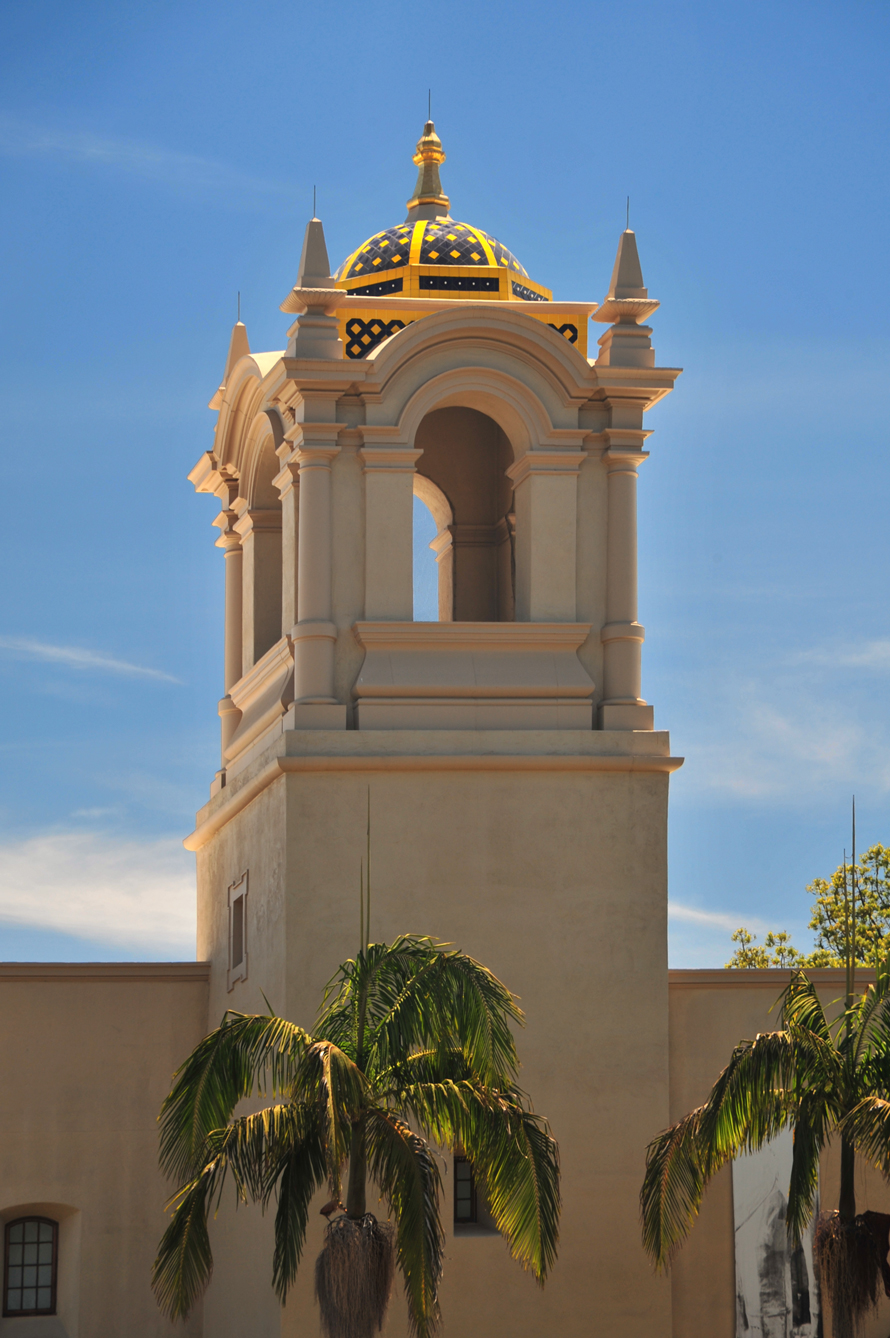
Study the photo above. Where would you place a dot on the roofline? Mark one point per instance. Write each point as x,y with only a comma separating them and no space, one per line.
174,973
732,978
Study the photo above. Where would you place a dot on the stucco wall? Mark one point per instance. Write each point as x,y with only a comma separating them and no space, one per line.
87,1053
557,881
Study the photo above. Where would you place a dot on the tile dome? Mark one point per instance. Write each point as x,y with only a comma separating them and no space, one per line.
432,254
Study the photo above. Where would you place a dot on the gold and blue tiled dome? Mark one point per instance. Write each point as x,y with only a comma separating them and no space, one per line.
431,255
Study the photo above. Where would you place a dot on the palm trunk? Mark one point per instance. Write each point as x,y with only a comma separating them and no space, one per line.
847,1202
358,1170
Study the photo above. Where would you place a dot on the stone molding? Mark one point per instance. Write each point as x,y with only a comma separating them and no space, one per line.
174,973
236,801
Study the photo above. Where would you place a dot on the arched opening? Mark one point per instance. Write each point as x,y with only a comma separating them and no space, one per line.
260,528
461,478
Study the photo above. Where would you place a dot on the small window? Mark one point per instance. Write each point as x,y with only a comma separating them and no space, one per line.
31,1264
464,1192
237,931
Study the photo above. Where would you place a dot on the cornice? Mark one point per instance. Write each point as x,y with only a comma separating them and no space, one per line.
449,762
175,973
771,978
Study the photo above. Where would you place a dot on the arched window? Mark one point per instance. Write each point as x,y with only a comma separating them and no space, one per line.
31,1266
462,478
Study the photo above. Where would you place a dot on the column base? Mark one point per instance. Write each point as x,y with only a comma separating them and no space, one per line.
626,715
315,715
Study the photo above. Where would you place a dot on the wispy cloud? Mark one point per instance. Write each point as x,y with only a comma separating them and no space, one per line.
138,895
873,655
76,657
713,919
148,161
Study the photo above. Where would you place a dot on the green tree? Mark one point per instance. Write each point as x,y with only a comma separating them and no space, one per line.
749,953
829,920
872,878
776,950
825,1080
413,1048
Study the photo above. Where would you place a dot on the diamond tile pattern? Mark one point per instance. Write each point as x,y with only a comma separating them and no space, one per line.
385,250
363,336
442,244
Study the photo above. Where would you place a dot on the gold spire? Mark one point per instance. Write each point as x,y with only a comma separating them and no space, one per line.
429,200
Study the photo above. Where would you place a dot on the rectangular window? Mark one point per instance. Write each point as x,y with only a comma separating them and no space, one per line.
237,932
30,1266
464,1192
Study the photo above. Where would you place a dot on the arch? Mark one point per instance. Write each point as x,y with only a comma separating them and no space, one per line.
434,500
244,400
260,465
516,410
498,345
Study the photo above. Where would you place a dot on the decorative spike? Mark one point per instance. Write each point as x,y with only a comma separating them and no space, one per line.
239,347
428,200
315,268
627,275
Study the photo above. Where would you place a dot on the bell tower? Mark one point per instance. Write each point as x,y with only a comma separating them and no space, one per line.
518,787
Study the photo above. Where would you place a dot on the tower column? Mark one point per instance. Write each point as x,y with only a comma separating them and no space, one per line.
622,706
230,542
287,483
546,484
389,530
315,634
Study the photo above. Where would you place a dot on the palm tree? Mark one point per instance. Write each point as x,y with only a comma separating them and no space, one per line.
825,1080
413,1049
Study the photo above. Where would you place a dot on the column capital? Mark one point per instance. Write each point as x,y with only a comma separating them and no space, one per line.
624,453
383,435
306,434
229,539
394,459
543,462
315,457
286,480
249,522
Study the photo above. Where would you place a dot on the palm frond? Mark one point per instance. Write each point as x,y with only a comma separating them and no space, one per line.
801,1007
517,1160
672,1188
753,1099
228,1065
298,1168
340,1090
867,1126
280,1149
405,1169
184,1262
814,1120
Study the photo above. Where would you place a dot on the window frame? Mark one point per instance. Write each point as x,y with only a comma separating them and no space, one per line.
473,1219
237,971
54,1297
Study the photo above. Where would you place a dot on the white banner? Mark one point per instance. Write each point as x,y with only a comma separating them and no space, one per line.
777,1292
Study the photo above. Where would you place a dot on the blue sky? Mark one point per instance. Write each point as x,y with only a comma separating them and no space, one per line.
157,158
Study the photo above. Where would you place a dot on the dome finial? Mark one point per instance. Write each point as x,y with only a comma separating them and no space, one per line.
428,200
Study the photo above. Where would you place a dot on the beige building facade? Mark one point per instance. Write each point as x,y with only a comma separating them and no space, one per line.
517,783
